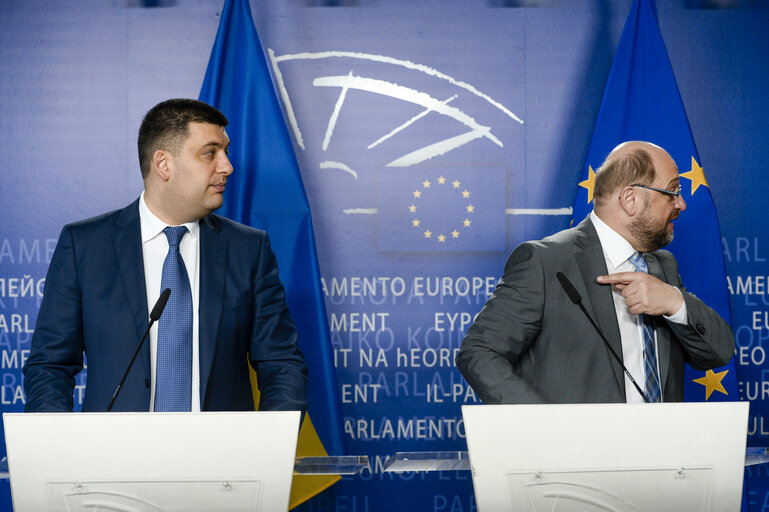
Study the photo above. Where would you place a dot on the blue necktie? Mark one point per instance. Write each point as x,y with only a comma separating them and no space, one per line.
173,368
652,385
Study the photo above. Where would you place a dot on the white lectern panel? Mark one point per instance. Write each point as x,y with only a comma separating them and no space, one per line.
233,461
607,457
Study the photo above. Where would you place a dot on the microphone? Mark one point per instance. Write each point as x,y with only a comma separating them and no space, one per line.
160,305
157,310
576,298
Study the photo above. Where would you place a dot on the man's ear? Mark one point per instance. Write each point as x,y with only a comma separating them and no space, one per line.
162,161
630,201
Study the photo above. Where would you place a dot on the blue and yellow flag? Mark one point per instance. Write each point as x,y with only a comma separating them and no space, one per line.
642,102
266,191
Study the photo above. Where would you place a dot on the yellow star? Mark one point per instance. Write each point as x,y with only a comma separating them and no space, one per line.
589,184
426,183
697,175
441,180
465,194
466,223
428,233
412,208
417,193
415,223
441,238
455,183
712,382
470,208
455,234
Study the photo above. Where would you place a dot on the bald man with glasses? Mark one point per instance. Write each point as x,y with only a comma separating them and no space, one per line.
532,344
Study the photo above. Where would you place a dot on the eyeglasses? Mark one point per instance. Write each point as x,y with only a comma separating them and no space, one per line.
674,193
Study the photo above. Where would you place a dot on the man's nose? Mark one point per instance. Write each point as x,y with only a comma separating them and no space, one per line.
225,166
680,203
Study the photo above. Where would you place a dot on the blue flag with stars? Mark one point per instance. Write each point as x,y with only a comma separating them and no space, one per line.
642,102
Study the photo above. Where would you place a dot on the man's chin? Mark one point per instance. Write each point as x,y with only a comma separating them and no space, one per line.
659,240
216,202
666,240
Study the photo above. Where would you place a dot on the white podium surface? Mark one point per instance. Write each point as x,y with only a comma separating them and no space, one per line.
233,461
607,457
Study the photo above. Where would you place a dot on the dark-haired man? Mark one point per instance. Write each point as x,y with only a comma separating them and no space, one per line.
531,344
227,306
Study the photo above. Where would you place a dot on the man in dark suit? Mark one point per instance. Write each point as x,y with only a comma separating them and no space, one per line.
531,344
108,271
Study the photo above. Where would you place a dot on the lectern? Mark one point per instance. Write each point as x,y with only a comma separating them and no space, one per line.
678,457
234,461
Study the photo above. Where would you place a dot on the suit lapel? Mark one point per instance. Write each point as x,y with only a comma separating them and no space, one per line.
663,335
213,271
599,302
128,253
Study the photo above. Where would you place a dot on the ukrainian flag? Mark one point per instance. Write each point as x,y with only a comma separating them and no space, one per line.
267,192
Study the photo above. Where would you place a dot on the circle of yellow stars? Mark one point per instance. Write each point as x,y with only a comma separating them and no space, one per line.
414,209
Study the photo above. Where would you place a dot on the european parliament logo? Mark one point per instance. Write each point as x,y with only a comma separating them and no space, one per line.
441,209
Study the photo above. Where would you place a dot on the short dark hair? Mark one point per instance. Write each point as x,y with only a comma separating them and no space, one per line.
166,126
621,170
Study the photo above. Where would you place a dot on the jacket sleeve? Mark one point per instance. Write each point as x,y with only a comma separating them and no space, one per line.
275,355
56,355
505,328
706,338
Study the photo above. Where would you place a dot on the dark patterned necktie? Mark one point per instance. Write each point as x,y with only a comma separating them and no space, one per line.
652,384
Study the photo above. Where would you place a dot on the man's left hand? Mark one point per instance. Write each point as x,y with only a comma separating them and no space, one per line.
644,293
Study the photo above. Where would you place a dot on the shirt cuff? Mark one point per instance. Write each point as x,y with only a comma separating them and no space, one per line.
680,316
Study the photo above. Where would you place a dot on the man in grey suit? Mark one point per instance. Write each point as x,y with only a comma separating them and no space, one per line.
532,344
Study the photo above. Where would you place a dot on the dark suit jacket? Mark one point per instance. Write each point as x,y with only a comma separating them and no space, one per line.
95,303
531,344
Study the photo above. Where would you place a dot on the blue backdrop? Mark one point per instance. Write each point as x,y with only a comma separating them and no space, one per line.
478,114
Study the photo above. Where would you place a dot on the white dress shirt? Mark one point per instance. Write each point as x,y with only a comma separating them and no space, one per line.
154,251
616,251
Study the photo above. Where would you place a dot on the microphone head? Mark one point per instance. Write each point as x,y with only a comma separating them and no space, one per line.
569,288
160,305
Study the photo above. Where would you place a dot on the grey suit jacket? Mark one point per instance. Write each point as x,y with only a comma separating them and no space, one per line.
531,344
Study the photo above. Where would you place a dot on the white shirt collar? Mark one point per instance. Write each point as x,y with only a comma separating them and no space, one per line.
151,226
616,249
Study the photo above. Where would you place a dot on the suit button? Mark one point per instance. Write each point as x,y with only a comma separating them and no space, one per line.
700,327
146,383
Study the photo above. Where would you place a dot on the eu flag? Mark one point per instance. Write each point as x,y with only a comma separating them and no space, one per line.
266,191
642,102
441,209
